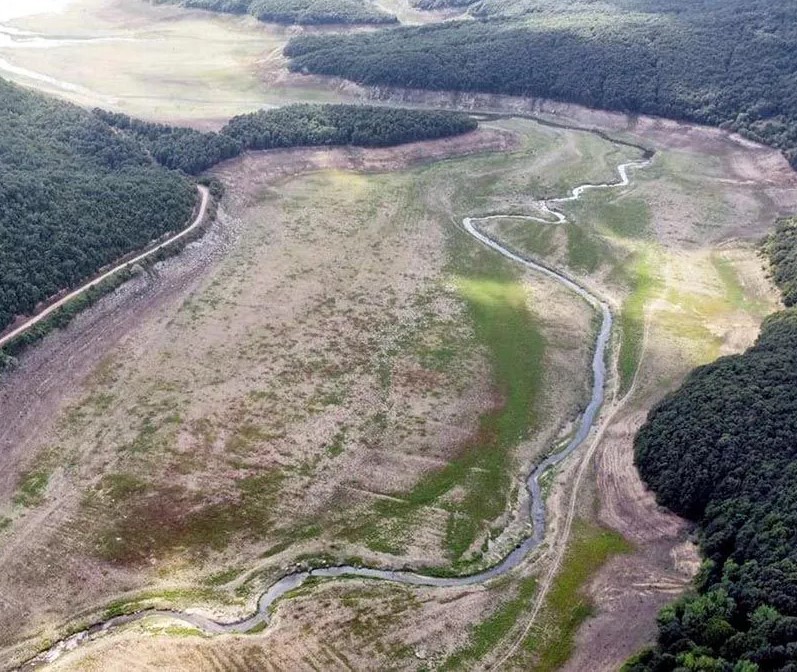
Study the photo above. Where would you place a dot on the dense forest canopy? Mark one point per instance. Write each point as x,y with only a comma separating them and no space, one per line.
303,12
729,63
74,196
722,450
359,125
292,126
781,248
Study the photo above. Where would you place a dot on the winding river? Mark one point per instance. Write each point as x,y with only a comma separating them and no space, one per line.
537,503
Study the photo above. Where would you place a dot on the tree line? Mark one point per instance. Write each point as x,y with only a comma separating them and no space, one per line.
722,451
290,12
74,197
726,63
300,125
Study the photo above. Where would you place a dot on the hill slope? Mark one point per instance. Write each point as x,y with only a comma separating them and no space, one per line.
722,450
74,196
720,62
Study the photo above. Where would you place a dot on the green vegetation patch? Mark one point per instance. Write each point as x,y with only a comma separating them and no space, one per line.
488,634
586,251
535,238
643,283
566,606
497,304
172,598
31,487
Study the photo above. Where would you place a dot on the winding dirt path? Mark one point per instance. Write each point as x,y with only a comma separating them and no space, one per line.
21,329
289,582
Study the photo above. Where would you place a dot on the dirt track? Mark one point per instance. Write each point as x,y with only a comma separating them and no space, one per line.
27,324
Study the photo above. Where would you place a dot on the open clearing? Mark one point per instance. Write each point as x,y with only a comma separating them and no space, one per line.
331,362
326,361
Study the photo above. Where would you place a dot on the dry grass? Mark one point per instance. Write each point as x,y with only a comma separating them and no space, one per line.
314,356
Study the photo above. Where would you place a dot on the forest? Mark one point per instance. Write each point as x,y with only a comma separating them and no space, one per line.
299,125
300,12
79,189
726,63
722,451
74,196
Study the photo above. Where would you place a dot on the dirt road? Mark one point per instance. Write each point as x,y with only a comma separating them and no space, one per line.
21,329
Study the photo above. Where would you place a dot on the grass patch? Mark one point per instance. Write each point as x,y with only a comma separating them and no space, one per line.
31,487
533,238
642,283
174,597
585,250
224,576
566,606
735,293
255,629
620,214
336,445
473,487
629,217
151,522
485,636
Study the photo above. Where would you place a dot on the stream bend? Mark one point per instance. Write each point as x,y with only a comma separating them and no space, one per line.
291,581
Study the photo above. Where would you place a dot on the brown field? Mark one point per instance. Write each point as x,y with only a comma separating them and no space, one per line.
269,387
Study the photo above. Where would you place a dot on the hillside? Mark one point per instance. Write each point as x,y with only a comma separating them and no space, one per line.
74,196
80,189
728,64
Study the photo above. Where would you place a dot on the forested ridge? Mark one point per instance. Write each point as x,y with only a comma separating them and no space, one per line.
79,190
722,450
303,12
74,196
727,63
300,125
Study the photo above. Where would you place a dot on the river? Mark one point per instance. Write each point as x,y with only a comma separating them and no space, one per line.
537,502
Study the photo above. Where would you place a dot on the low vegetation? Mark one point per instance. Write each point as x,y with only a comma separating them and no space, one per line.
184,520
487,635
567,606
506,328
303,12
721,451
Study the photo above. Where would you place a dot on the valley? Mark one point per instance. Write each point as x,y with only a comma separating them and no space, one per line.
359,364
